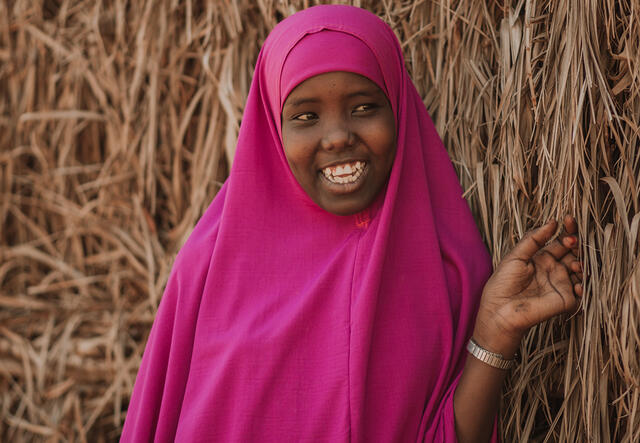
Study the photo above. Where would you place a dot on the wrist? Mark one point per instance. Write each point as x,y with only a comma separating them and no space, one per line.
490,336
492,359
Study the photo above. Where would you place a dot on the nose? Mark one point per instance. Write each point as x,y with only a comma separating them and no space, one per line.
337,136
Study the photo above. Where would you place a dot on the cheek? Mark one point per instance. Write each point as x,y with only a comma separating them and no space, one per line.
299,156
390,139
383,141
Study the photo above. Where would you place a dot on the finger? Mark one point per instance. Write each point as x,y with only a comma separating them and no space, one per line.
568,261
566,241
570,224
569,241
568,268
534,241
578,289
562,246
576,267
574,279
571,228
569,237
562,281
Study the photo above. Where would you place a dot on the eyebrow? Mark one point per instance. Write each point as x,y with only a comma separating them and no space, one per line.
302,101
359,93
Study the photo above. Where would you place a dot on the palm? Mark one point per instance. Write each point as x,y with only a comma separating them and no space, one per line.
534,281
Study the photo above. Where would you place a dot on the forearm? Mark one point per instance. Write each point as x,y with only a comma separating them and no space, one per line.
476,399
477,395
537,280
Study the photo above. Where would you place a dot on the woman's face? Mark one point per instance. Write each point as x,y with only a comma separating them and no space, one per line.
339,137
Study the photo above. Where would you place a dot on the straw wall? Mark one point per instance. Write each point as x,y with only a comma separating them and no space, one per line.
118,122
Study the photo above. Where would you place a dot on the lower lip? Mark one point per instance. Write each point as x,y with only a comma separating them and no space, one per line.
345,188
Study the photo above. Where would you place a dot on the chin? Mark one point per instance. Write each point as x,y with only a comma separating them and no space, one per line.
346,207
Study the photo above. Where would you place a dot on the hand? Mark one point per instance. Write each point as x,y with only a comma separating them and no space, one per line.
532,283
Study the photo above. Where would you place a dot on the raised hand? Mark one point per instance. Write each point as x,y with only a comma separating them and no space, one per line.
532,283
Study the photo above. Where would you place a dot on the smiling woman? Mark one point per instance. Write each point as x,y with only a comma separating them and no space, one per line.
338,134
332,287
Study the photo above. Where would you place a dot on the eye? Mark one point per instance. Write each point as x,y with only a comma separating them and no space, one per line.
305,116
364,108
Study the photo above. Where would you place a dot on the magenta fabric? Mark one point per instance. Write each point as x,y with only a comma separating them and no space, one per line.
283,322
326,47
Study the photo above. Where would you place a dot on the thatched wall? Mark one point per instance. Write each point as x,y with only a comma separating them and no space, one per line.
118,122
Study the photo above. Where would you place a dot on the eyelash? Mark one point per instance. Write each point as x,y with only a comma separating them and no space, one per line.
368,107
297,116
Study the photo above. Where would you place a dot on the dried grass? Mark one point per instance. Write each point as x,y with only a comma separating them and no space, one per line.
118,122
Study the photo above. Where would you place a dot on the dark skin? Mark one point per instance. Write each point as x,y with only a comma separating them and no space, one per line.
534,282
338,119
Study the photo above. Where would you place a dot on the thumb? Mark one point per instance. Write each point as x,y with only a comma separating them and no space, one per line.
534,240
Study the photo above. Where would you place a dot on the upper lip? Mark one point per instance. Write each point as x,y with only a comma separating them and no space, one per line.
342,162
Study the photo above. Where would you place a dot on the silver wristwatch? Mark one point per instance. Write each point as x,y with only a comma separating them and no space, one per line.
490,358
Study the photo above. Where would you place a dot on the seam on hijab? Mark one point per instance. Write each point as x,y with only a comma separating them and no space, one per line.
359,233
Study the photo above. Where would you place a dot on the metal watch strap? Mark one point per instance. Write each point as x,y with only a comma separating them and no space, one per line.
490,358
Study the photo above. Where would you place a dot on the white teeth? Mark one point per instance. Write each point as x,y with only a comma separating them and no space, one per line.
337,174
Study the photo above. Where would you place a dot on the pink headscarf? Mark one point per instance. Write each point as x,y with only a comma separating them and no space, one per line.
284,322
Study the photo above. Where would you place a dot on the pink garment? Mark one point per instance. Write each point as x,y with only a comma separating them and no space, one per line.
283,322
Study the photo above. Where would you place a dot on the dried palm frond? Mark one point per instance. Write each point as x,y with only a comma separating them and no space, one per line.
118,123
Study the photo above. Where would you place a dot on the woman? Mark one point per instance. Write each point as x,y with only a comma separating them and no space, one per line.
330,290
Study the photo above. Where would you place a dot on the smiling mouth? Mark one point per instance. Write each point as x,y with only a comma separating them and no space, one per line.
345,173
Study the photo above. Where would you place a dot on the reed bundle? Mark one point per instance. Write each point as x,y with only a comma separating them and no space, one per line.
118,123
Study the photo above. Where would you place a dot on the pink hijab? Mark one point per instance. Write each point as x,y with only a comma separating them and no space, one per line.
284,322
